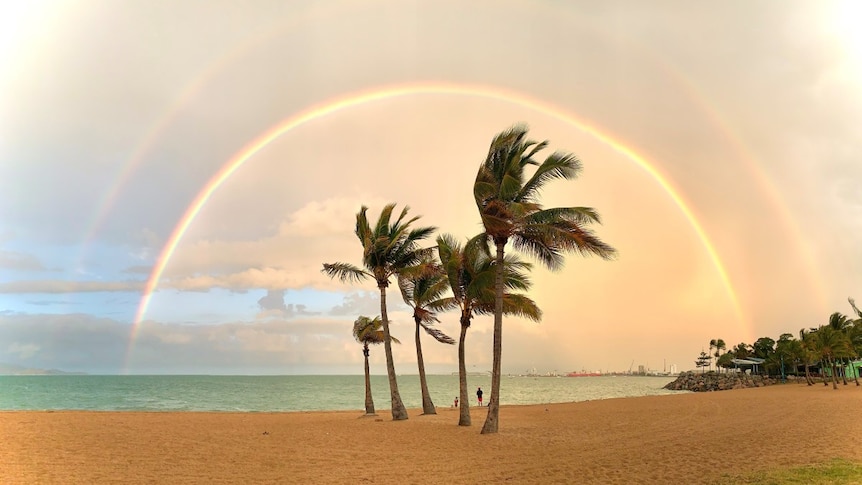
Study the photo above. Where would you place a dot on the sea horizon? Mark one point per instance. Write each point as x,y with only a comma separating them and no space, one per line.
286,393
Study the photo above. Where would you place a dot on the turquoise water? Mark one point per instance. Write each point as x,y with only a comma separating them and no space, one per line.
293,393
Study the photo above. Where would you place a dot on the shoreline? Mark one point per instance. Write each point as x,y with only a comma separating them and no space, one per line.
683,438
411,411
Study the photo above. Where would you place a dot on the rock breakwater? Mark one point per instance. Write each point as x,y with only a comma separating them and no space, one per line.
712,381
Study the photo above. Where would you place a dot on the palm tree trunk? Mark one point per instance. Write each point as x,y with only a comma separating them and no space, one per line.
463,399
398,411
834,378
844,372
808,375
369,402
427,405
493,419
855,374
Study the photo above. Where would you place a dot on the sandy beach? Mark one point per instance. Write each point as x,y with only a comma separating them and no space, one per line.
685,438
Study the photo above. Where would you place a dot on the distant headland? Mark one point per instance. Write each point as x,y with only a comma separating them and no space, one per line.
17,370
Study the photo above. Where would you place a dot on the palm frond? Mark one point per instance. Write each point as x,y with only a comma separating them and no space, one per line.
548,241
536,149
516,304
424,316
855,309
478,243
557,166
363,230
345,272
577,215
539,246
443,304
438,334
382,226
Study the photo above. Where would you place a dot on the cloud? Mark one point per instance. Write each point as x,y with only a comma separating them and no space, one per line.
57,286
358,303
78,342
267,278
19,261
273,300
289,255
272,306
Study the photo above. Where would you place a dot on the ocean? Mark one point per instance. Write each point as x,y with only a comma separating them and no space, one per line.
294,393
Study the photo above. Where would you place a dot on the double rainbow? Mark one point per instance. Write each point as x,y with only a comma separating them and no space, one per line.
333,106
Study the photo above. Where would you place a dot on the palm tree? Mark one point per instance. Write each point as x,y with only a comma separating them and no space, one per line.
854,333
840,323
785,353
719,346
807,353
387,248
367,331
471,272
830,345
509,208
856,310
422,288
711,346
742,350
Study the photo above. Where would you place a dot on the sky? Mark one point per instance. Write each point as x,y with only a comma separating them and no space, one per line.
174,174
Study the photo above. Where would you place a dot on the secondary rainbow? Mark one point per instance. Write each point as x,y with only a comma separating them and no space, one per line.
332,106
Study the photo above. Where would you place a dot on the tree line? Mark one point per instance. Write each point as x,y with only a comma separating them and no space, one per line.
476,276
826,352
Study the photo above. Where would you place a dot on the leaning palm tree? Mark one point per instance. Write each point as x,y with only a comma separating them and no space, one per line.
471,272
367,331
508,205
856,310
806,353
387,248
422,288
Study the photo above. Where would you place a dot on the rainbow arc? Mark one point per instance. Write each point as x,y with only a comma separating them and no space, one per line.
352,100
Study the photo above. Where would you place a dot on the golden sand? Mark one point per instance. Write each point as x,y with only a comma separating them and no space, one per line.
679,439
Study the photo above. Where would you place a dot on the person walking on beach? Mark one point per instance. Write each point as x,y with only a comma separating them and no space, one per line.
456,402
479,395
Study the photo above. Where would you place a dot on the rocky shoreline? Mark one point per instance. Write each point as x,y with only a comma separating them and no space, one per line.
712,381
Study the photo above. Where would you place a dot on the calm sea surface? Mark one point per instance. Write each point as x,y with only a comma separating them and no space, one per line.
294,393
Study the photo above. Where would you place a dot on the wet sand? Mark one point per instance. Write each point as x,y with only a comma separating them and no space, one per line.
680,439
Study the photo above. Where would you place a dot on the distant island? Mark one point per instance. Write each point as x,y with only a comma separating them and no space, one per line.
17,370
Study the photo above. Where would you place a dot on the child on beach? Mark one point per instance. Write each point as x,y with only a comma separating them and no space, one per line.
479,395
456,402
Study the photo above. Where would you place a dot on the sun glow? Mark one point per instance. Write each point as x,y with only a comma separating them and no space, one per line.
843,23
